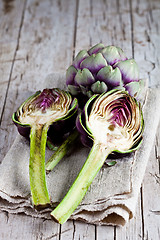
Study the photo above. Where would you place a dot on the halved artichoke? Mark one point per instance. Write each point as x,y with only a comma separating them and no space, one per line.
114,122
101,69
49,109
114,114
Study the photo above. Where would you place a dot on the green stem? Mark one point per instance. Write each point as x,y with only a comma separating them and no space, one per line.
62,150
39,192
94,162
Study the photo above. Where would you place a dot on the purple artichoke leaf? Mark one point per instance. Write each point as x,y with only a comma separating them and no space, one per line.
95,49
94,63
81,119
70,75
133,88
113,54
112,77
24,130
83,54
143,85
84,77
129,70
86,140
81,128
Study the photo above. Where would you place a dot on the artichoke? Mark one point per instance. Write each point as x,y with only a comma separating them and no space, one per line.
49,109
114,122
102,69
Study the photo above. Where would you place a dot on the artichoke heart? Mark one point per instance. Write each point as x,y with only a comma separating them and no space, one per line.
112,123
45,107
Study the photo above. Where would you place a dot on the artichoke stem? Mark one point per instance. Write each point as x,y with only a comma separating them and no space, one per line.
61,151
94,162
39,192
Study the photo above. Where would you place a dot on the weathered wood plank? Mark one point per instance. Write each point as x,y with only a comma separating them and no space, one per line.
105,233
11,16
146,16
74,230
27,228
146,32
151,196
83,231
104,21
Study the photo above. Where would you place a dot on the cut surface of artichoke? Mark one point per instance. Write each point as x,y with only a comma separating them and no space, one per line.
116,138
36,112
110,130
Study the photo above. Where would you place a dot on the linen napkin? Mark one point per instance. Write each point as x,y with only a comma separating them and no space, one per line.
111,198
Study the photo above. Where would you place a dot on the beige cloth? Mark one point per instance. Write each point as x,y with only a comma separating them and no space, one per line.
111,198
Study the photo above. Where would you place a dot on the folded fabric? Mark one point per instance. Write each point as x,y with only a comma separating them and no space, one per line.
111,198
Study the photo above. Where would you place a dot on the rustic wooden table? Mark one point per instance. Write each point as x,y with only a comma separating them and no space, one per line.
41,37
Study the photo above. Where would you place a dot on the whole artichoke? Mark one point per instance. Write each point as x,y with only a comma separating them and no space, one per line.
101,69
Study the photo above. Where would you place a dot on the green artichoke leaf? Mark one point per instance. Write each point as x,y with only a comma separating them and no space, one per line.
94,63
83,54
112,77
133,88
113,54
70,75
142,89
99,87
96,48
74,90
129,70
84,77
112,163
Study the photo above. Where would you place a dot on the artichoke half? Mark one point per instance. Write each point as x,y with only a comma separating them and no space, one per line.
49,109
101,69
114,122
